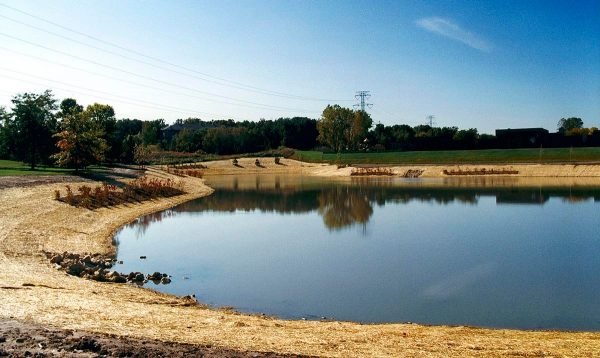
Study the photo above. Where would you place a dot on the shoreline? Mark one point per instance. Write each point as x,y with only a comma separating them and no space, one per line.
31,222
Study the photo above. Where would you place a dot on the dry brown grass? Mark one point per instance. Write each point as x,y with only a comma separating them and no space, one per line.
32,222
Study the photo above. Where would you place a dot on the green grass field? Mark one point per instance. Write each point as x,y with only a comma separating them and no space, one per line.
488,156
10,167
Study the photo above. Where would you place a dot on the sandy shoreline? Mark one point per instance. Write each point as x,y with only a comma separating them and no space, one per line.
31,222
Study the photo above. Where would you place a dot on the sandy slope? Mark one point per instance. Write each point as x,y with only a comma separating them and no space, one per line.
30,222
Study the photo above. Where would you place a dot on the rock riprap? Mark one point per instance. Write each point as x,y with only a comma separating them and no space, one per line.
99,268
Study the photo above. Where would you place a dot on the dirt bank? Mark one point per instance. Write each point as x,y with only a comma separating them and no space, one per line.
247,165
20,339
32,291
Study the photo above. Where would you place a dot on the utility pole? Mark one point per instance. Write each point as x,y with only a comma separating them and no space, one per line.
363,96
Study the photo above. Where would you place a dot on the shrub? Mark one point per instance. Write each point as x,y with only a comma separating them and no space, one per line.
138,190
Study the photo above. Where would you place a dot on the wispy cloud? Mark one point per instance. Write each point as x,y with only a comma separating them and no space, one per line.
454,31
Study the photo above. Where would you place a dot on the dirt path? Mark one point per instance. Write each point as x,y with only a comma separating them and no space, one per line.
32,291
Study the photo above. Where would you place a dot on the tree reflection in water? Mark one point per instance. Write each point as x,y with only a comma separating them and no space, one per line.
343,204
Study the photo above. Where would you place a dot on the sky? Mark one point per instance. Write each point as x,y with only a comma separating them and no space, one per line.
471,64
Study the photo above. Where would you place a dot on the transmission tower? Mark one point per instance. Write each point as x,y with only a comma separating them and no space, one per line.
431,120
363,96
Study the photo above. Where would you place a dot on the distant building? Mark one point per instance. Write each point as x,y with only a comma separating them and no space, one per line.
521,137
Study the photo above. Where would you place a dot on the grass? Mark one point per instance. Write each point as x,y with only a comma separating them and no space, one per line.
11,167
15,168
488,156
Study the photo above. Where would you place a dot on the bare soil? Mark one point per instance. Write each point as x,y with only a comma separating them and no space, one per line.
20,339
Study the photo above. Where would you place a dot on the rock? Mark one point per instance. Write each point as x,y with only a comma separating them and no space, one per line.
87,259
76,269
99,276
139,277
165,281
157,276
143,257
56,259
119,279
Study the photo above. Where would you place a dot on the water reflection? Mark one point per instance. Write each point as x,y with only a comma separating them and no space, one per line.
504,254
345,203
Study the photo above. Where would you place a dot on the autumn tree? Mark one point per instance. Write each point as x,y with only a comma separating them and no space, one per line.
80,140
342,128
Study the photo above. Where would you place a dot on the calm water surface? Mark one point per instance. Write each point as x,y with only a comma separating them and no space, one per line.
484,252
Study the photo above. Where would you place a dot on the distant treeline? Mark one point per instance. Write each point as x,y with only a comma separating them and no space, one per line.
39,129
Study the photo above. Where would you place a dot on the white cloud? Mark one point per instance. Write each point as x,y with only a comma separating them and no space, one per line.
452,30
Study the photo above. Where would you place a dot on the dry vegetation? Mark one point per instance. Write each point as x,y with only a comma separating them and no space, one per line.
104,195
371,171
481,171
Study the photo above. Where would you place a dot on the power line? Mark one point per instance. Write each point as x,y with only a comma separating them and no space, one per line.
139,61
116,98
140,84
363,96
144,76
122,48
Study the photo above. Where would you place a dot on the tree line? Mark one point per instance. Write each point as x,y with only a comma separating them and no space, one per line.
38,129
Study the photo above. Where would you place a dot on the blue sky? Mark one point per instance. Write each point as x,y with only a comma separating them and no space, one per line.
488,65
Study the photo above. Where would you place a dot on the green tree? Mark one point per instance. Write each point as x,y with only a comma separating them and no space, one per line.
6,135
567,124
69,105
152,131
342,128
34,123
80,140
104,116
188,141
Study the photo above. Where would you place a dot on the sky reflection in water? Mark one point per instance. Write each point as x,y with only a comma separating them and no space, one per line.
382,251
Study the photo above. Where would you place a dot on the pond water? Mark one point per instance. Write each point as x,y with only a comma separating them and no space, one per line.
485,252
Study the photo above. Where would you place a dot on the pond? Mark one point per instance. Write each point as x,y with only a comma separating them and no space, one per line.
495,252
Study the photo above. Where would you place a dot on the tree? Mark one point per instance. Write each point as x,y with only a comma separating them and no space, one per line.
104,116
80,140
6,136
69,105
188,140
34,122
466,138
152,131
359,127
567,124
342,128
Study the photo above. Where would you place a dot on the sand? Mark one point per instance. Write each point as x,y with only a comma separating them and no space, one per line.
31,290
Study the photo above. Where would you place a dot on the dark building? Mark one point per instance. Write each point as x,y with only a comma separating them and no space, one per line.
521,137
